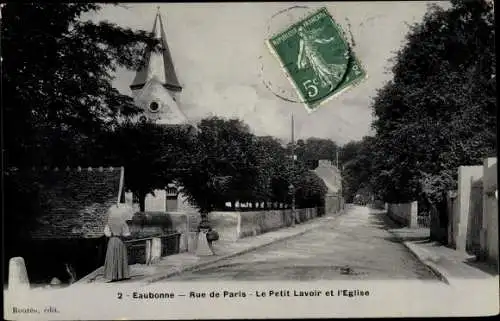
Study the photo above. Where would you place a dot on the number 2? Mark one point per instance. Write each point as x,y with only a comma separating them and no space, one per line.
120,295
312,90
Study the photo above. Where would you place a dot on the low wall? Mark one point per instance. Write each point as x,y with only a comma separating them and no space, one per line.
258,222
226,224
404,213
232,226
333,203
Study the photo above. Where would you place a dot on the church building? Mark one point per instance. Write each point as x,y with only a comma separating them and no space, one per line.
157,91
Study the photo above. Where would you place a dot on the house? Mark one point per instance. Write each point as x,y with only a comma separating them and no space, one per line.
332,178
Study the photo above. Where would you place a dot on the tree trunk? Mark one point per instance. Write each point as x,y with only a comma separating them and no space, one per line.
142,202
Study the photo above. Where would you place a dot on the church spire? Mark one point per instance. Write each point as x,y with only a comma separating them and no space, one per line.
158,64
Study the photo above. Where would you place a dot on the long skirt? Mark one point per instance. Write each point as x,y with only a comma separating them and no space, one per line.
116,263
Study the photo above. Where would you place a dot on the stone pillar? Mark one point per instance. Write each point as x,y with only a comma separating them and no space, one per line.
18,275
414,215
489,231
155,250
466,174
148,251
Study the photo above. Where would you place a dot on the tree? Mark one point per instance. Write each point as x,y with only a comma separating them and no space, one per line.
223,167
274,172
357,172
153,155
57,91
57,96
313,149
310,190
439,111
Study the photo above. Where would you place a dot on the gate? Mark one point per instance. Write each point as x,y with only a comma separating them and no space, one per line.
475,219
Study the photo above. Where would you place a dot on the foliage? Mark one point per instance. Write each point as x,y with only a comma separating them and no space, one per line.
230,164
357,170
57,96
57,91
310,190
313,149
153,155
222,164
439,111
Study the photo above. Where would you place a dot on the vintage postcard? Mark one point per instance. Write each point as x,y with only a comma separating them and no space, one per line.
159,162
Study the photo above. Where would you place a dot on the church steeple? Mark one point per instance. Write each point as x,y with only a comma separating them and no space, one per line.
158,64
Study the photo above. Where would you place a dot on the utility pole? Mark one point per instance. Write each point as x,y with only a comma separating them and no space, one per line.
292,187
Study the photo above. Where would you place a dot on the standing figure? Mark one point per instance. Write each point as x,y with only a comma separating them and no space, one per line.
116,263
310,56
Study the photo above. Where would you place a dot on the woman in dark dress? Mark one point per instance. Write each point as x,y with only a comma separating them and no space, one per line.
116,264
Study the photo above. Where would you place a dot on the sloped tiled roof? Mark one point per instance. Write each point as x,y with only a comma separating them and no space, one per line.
159,64
330,175
77,201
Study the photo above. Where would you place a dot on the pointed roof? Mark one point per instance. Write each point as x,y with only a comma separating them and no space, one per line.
170,112
158,64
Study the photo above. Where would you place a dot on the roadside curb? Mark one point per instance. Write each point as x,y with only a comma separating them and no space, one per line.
235,254
424,258
427,261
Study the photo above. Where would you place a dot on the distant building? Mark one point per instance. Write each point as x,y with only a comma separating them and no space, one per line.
332,178
330,174
157,91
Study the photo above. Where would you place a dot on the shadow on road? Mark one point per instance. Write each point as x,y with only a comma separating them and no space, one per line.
381,220
483,266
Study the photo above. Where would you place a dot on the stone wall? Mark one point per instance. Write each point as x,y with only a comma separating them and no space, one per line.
258,222
232,226
226,224
333,203
404,213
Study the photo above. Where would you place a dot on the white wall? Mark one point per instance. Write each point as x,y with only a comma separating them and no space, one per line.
490,209
466,175
404,213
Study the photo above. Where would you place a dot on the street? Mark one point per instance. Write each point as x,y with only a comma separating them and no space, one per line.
355,245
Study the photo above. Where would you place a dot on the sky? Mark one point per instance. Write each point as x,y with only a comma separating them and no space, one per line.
223,64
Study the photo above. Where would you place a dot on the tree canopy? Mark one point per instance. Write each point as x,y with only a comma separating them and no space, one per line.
57,93
57,73
231,164
439,110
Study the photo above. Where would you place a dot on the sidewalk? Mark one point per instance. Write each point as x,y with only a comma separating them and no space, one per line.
178,263
453,267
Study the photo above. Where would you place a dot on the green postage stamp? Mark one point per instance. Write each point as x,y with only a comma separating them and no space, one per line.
317,58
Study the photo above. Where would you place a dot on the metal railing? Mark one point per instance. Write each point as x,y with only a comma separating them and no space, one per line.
424,220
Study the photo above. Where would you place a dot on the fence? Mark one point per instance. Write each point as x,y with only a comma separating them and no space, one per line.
424,220
452,210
